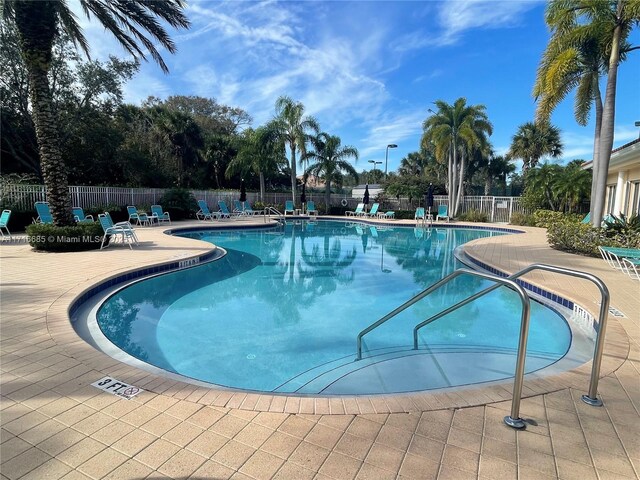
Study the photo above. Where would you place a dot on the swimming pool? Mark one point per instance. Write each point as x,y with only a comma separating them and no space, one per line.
281,312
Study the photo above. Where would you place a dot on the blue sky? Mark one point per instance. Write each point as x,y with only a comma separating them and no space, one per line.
369,71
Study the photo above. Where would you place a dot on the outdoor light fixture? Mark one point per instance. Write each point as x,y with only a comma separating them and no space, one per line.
374,164
386,156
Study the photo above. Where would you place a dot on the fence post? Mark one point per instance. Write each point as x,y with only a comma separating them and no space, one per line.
510,208
493,208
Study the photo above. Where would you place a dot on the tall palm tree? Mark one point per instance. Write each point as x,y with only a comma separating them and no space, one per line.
454,131
329,159
497,168
610,23
39,22
533,141
292,128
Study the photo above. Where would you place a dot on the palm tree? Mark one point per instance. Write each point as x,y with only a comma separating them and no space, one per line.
329,159
497,168
259,152
533,141
39,22
572,185
608,24
292,128
543,179
454,131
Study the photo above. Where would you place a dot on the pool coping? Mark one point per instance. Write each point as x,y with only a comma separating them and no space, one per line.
61,330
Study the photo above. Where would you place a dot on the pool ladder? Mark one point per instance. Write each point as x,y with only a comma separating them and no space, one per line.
513,420
268,211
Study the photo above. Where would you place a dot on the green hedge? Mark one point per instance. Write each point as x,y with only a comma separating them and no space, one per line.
474,216
575,237
180,204
83,236
518,218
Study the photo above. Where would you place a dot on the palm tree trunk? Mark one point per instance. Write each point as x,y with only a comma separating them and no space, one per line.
262,186
54,171
294,179
595,164
608,118
460,185
327,194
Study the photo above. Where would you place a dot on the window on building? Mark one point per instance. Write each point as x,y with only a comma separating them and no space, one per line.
611,198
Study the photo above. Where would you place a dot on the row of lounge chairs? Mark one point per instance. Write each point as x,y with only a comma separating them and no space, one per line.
243,209
420,214
626,260
157,215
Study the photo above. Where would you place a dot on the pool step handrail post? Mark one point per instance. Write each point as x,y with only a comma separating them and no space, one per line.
268,211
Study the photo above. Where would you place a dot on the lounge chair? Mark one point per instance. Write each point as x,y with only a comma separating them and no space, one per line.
224,210
125,224
587,218
251,211
44,213
614,256
4,221
357,212
289,207
204,213
443,212
390,215
139,218
631,267
79,216
239,208
419,215
311,208
112,231
159,214
374,211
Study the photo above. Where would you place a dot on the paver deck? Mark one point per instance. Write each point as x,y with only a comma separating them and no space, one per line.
54,424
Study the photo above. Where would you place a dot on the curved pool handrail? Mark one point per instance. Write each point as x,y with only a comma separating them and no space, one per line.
268,211
591,398
513,420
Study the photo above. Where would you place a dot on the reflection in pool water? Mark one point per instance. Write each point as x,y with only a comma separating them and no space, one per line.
282,310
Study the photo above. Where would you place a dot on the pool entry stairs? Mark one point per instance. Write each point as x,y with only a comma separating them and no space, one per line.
512,282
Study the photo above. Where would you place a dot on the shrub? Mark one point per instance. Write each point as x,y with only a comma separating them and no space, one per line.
576,237
180,203
621,226
473,216
76,238
546,218
518,218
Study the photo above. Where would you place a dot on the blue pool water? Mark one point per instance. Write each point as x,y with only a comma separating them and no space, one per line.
281,312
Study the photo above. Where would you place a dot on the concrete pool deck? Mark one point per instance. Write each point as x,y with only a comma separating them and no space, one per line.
56,425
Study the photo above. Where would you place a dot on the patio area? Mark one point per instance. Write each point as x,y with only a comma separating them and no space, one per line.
55,424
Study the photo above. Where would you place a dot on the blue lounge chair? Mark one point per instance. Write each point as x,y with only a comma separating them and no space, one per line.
79,216
139,218
289,207
251,211
443,212
614,256
357,212
4,221
587,218
224,210
239,208
374,210
204,213
159,214
125,224
390,215
44,213
419,215
112,231
311,208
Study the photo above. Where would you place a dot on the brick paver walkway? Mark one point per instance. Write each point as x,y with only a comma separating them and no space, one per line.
56,425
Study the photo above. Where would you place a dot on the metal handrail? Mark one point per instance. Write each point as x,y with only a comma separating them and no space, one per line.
513,419
591,398
270,210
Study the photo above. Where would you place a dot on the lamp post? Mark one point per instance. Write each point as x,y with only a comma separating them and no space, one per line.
375,162
386,157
